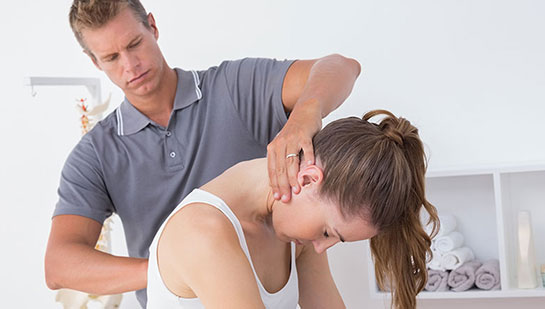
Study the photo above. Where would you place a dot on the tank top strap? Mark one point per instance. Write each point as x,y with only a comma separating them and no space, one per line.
201,196
291,287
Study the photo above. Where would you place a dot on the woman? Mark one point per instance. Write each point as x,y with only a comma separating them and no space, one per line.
229,244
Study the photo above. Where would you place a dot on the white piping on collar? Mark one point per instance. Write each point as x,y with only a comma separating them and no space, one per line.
197,82
119,116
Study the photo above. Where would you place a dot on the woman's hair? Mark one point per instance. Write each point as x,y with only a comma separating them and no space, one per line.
376,171
92,14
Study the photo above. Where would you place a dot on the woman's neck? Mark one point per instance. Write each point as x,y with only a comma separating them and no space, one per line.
246,190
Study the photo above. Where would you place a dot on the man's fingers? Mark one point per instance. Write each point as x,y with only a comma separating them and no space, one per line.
308,151
284,163
271,165
293,169
282,176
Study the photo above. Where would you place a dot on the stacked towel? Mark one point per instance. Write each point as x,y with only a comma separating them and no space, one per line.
435,262
437,281
463,278
488,276
453,265
446,247
448,225
449,242
455,258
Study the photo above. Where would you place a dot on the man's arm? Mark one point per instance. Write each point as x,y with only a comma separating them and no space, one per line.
311,90
71,260
316,286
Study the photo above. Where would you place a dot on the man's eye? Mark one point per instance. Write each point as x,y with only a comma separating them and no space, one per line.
326,235
112,58
134,45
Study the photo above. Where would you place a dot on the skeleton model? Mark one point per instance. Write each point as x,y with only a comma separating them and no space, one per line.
71,299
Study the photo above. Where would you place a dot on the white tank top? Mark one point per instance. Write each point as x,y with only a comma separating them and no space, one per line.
160,297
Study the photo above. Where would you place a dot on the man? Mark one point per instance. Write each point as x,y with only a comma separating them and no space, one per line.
174,131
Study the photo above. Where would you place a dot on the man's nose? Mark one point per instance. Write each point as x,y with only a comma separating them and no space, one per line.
130,62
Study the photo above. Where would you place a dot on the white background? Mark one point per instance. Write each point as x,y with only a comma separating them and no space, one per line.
469,74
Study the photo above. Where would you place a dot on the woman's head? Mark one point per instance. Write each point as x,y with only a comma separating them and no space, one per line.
374,172
377,171
310,219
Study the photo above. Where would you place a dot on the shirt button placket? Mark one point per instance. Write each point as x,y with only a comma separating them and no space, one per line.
172,154
171,145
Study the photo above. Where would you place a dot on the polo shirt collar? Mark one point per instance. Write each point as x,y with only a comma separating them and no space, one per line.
188,90
130,120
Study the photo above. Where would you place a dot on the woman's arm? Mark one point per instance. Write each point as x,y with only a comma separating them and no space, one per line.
199,254
316,286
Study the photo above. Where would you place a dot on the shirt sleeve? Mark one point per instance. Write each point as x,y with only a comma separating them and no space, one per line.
255,88
82,190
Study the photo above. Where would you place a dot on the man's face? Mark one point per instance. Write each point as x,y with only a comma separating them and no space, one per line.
128,53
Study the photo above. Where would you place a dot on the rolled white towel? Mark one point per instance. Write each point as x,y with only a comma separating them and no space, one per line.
455,258
436,261
449,242
447,225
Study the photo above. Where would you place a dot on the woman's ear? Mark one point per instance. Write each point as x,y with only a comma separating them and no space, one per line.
310,175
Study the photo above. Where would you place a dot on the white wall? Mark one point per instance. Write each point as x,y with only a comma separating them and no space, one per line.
469,74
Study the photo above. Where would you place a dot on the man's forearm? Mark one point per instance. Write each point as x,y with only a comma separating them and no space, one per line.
78,267
330,82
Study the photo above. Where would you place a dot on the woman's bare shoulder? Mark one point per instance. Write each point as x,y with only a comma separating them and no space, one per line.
198,224
190,236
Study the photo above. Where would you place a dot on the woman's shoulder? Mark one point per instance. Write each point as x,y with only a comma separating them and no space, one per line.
189,245
200,222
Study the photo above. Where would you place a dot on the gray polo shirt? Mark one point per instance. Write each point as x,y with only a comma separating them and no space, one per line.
134,167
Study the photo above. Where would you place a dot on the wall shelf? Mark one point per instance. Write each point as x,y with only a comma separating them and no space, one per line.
485,202
474,293
91,83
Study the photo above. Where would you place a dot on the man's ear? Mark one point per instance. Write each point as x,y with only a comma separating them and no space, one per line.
93,58
310,175
153,25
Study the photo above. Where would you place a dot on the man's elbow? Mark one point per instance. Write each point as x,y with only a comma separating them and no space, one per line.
352,64
356,65
52,273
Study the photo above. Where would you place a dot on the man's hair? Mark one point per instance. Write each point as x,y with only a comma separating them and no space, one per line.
377,171
93,14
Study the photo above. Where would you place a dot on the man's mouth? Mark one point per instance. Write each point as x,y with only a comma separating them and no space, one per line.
138,77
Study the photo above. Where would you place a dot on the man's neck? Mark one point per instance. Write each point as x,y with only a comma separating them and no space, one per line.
158,105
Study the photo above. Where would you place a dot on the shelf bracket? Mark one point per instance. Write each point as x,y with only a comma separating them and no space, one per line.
91,83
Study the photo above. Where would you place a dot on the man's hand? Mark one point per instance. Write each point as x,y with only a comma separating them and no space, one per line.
311,90
283,152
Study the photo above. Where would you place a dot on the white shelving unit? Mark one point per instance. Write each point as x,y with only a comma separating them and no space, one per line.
485,202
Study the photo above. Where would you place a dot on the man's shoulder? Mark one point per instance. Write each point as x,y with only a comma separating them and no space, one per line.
227,65
232,71
99,136
104,127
